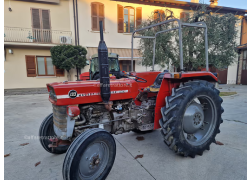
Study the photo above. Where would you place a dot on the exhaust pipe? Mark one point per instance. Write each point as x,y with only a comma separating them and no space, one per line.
103,67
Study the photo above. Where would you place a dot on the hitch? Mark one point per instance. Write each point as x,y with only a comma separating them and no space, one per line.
57,142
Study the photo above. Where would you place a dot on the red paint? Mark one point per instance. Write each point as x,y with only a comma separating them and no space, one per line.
84,76
73,110
131,87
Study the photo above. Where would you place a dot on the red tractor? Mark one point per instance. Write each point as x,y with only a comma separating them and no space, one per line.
186,106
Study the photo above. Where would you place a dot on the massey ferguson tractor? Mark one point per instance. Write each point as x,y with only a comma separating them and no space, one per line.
185,106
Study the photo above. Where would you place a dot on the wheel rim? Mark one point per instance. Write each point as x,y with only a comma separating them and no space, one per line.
199,120
93,161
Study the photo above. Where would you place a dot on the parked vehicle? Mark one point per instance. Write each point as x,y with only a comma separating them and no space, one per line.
93,74
186,106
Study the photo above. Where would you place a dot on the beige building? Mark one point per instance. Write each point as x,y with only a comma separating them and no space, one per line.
32,28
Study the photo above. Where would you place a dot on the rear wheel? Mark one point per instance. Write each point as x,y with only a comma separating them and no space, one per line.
192,116
46,132
90,156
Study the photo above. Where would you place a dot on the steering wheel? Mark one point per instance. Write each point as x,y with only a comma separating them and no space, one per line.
137,79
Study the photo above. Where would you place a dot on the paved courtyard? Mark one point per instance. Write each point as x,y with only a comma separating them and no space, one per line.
24,114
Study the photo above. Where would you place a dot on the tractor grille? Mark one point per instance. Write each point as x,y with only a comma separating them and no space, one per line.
60,117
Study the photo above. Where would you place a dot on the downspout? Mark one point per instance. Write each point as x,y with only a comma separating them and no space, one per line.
75,10
74,22
77,27
239,53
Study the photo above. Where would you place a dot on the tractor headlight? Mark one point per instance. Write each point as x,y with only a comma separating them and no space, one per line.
52,94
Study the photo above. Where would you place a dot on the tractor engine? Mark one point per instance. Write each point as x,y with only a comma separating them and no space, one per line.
124,116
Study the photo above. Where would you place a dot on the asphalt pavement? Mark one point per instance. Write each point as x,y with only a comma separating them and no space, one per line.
23,115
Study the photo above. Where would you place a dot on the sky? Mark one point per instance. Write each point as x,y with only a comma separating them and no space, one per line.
241,4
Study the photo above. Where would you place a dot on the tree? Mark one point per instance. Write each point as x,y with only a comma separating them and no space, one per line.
222,35
68,57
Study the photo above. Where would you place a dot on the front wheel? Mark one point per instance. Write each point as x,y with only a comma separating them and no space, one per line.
46,132
191,119
90,156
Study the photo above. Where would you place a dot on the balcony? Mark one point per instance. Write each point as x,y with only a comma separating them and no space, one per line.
31,36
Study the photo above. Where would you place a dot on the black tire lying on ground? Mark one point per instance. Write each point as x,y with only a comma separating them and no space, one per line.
90,156
46,131
192,117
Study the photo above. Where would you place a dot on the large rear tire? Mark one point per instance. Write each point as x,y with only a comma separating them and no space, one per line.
46,132
90,156
192,117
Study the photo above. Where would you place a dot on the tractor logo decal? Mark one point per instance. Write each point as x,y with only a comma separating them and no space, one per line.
73,94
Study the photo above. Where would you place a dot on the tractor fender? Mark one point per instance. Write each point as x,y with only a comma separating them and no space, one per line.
173,80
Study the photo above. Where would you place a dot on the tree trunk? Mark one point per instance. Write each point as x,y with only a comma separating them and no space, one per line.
68,75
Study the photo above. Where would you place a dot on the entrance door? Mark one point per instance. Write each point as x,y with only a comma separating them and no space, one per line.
41,25
244,68
222,76
125,65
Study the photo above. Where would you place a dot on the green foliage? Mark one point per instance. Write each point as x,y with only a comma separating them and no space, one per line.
222,35
68,56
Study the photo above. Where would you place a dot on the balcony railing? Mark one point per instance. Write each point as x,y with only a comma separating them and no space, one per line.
39,36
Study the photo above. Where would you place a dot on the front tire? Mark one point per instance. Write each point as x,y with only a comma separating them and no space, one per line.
90,156
191,119
46,132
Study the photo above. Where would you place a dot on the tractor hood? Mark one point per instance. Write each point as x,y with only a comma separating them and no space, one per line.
82,92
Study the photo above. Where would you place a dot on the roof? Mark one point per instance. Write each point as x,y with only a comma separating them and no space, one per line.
186,5
124,53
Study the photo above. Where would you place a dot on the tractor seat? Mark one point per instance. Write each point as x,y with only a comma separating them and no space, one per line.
157,83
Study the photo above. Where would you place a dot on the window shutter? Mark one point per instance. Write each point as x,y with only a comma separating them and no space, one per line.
138,16
184,16
120,19
101,15
45,19
35,18
94,16
59,72
31,66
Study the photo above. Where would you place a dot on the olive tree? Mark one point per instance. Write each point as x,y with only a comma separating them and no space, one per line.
222,35
68,56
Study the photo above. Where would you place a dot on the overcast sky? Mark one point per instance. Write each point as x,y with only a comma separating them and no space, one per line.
241,4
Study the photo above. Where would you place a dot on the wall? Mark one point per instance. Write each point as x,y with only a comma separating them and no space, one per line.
112,38
15,74
232,69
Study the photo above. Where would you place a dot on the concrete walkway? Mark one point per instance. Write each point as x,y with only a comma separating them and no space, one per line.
24,114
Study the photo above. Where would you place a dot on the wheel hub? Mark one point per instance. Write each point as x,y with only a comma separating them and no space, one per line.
94,160
193,118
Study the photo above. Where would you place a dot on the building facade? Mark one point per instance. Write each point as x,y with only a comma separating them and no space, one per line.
242,50
31,31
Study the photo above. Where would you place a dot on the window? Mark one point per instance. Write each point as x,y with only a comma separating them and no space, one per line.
159,15
127,20
97,14
45,66
126,65
184,16
41,66
41,25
